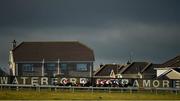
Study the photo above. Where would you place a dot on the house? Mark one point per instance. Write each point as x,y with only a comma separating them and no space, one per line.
142,70
134,70
67,59
168,73
108,71
169,69
174,62
149,71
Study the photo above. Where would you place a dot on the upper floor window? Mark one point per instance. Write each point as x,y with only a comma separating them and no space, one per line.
51,66
81,67
28,67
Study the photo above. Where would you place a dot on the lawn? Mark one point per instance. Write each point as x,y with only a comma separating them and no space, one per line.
59,95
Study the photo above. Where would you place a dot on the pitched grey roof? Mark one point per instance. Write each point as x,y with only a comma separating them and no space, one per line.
134,68
150,68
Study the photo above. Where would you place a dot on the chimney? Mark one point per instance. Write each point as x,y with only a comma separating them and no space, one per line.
128,62
14,44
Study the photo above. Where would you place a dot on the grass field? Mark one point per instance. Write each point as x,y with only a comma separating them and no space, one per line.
51,95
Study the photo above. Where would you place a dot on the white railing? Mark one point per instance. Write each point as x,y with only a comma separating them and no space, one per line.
92,89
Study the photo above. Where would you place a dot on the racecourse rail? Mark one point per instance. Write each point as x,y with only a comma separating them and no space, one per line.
18,87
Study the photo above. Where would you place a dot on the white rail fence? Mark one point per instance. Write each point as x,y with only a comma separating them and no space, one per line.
39,88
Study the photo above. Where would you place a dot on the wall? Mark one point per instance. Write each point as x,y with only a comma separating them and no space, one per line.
71,70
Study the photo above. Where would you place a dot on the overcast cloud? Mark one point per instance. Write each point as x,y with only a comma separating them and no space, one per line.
148,29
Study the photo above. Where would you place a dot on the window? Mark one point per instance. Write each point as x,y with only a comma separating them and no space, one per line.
51,67
81,67
63,67
27,67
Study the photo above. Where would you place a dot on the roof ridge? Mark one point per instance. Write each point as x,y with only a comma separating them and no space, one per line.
43,42
173,63
141,62
18,46
126,67
99,69
49,41
146,67
85,45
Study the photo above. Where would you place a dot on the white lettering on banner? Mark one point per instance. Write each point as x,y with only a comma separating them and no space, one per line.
155,83
34,81
100,82
24,80
124,81
64,81
97,81
44,81
135,84
4,80
165,83
83,80
146,83
54,81
73,80
15,81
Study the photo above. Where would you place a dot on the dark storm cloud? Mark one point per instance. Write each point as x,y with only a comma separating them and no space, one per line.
43,13
149,29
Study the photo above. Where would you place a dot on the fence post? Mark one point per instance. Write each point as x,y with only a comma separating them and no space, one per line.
91,89
17,88
121,90
55,89
69,89
156,90
73,89
109,89
130,91
49,88
39,89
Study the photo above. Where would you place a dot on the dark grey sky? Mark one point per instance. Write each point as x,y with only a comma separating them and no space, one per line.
149,29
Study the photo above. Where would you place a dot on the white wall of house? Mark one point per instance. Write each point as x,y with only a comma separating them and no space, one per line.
173,75
11,63
160,71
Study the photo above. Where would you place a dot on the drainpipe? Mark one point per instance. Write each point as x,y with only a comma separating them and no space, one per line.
58,67
42,68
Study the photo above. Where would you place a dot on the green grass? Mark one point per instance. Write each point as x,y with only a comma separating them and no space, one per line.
66,95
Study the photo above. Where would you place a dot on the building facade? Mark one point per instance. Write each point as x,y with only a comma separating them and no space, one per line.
141,70
134,70
169,69
66,59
